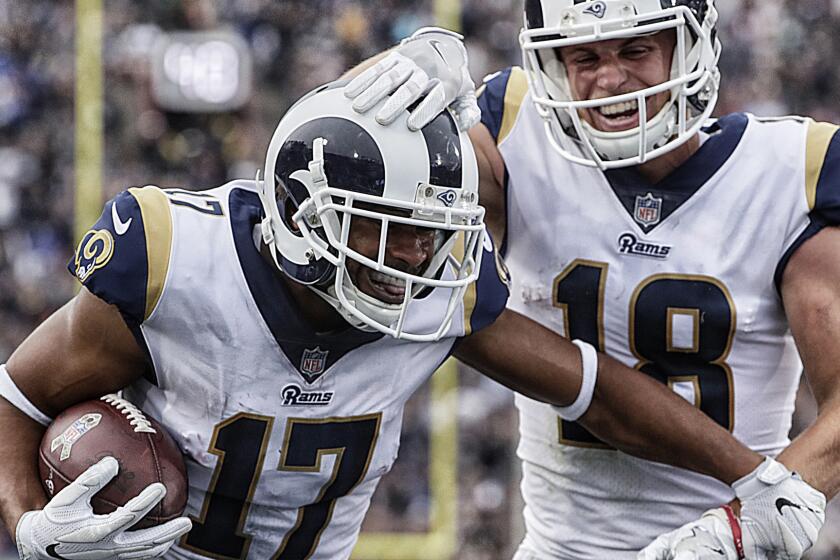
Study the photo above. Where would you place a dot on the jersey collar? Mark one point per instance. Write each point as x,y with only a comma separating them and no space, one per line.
677,188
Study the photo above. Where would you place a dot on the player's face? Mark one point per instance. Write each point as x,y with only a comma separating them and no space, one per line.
615,67
409,249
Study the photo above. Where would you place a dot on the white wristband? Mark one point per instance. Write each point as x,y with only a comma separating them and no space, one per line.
10,392
589,359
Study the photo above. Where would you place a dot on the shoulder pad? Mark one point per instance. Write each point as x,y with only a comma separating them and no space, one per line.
500,99
124,257
487,297
822,170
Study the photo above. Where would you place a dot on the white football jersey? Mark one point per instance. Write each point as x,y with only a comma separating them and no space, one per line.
286,432
679,280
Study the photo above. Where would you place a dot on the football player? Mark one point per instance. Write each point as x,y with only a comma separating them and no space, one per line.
277,327
701,252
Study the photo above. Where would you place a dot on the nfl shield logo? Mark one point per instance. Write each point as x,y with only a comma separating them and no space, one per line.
313,363
648,210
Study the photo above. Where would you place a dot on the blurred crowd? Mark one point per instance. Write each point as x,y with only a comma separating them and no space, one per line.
776,61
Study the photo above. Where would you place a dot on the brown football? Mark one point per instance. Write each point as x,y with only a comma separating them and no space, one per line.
85,433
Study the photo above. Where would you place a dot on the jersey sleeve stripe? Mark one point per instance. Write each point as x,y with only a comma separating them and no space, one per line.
486,298
500,98
469,307
491,101
157,219
819,139
517,87
470,294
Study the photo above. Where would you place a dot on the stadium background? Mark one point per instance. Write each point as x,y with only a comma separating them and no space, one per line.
64,124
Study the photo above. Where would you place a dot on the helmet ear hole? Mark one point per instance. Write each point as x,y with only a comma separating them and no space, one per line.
289,208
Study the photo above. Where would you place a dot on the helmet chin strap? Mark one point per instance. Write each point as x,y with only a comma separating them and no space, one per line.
381,313
354,321
626,144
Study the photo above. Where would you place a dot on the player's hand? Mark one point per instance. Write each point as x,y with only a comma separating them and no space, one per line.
432,62
708,538
780,512
781,516
67,527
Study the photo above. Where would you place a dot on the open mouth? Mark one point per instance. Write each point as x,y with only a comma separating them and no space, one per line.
616,116
385,287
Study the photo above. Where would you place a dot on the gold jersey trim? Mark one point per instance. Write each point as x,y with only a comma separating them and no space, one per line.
816,148
517,87
157,222
470,296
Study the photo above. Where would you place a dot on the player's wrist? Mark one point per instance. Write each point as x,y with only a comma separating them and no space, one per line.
16,506
780,512
589,378
23,535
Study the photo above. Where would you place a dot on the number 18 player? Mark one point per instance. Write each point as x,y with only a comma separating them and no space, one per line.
702,252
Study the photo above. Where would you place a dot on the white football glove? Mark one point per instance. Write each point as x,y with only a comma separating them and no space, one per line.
67,527
781,515
780,512
712,537
432,62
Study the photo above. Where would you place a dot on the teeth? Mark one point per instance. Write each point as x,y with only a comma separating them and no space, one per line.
387,279
619,108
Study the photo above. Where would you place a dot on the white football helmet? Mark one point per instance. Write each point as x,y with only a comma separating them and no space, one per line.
694,81
325,160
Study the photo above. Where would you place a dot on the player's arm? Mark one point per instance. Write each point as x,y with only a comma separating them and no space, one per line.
811,295
537,362
491,173
82,351
89,347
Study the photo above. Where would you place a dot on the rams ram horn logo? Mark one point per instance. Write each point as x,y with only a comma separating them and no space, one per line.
94,252
598,9
448,198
